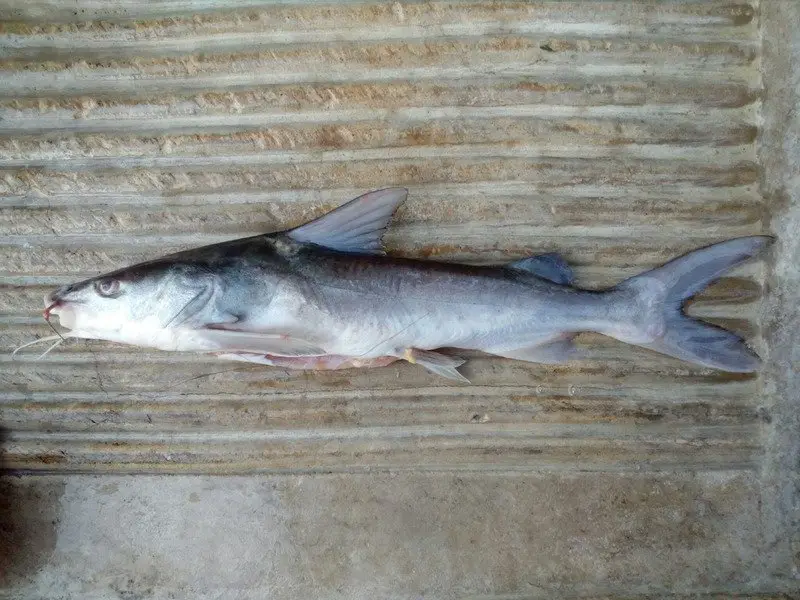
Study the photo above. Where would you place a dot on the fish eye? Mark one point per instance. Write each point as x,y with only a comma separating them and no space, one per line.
107,287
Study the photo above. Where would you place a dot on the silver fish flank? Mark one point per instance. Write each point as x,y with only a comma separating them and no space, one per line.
325,296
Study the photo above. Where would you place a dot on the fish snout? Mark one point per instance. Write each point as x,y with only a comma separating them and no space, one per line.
53,298
50,298
57,295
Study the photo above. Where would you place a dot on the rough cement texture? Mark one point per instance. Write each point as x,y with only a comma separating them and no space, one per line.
780,155
617,133
396,536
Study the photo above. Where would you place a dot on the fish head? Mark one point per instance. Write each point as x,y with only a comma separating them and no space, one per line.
124,305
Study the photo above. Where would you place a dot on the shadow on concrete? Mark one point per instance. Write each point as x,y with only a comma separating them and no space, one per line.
29,509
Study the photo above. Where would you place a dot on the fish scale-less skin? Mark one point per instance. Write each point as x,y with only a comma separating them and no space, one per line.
371,306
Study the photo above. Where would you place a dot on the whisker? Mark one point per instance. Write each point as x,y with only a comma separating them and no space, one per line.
46,352
48,338
53,328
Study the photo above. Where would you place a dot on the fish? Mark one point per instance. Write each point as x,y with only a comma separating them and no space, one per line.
325,295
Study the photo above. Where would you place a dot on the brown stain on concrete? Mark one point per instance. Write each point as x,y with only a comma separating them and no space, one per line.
29,516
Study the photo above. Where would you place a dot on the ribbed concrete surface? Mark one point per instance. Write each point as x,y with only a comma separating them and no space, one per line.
619,134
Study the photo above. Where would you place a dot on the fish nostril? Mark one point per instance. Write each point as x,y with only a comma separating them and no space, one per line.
59,293
56,295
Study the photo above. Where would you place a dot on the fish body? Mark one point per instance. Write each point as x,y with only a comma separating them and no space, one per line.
325,296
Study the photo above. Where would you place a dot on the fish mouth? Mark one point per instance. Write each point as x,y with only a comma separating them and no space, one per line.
61,309
51,309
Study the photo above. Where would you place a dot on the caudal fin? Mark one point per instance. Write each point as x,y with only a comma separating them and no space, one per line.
659,297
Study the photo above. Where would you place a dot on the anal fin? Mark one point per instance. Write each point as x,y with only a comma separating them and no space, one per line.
558,350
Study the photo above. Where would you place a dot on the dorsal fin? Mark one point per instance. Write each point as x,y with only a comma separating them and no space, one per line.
550,266
356,226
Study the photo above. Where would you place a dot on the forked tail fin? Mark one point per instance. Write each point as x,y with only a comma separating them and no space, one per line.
661,324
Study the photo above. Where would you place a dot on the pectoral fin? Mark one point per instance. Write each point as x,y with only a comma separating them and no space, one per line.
223,340
329,362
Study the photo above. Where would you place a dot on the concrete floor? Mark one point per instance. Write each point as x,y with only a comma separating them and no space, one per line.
620,134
